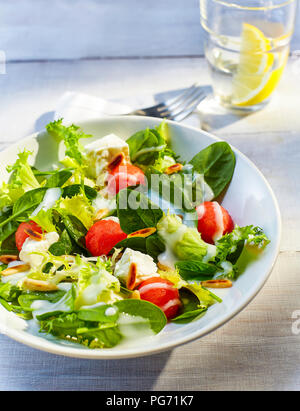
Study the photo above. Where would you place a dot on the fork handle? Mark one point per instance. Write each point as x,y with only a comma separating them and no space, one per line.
136,113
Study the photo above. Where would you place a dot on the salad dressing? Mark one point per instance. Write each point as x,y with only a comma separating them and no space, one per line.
211,251
14,279
226,269
168,257
133,328
49,200
110,311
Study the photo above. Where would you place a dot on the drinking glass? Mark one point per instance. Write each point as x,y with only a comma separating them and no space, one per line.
247,46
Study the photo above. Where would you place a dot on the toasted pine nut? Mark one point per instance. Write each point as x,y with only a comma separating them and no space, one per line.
7,258
34,235
69,258
130,284
21,268
116,161
38,285
103,212
174,168
135,295
217,283
145,232
163,267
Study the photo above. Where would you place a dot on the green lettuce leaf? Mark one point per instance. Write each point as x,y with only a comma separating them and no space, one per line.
185,242
70,136
145,146
95,284
217,163
80,207
230,246
21,180
44,218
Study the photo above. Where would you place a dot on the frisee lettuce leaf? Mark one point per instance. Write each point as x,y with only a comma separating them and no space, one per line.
80,207
21,180
70,135
44,218
230,246
95,284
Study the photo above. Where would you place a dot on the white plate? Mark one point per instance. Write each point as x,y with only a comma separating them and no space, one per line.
249,199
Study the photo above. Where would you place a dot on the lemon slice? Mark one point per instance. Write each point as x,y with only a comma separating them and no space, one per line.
255,80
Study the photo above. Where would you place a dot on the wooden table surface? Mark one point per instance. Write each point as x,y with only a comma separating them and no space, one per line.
131,50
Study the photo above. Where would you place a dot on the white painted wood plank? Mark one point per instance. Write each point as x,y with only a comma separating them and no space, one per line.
29,90
64,29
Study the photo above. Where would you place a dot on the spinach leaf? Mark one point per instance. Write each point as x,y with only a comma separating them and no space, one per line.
8,245
190,308
135,243
100,336
97,314
9,299
216,162
27,298
75,228
188,316
63,246
21,210
64,305
145,146
145,309
154,246
74,189
196,270
59,178
6,231
5,213
28,202
136,211
62,325
92,334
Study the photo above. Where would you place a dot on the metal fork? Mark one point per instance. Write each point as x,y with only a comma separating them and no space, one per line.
177,108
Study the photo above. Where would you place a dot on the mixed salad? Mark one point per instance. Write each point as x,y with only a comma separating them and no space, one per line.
120,238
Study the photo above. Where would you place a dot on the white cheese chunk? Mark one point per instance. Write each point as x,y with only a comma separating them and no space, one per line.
101,203
30,247
101,152
145,266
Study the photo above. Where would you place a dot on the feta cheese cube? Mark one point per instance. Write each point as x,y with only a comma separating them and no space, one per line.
30,247
145,266
102,151
102,203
